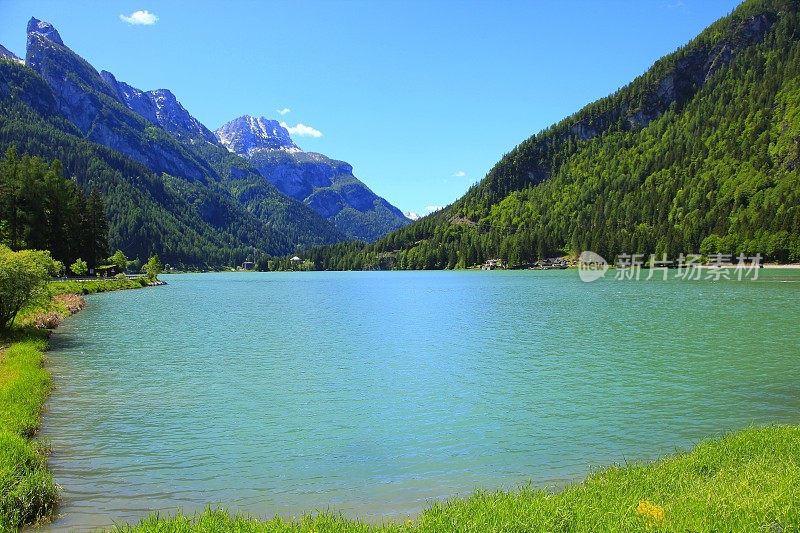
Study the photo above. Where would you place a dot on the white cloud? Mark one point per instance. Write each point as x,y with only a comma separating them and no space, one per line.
283,111
433,208
459,174
411,215
142,18
302,130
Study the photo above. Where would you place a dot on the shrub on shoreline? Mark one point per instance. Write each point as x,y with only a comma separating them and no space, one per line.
48,320
72,302
23,276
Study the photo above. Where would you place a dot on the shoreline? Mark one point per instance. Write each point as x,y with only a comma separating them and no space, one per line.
653,494
28,493
789,266
708,488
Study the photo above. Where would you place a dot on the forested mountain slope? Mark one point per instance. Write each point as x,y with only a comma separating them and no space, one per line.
233,174
700,153
147,212
191,202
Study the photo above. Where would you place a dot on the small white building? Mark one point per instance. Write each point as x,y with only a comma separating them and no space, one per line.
493,264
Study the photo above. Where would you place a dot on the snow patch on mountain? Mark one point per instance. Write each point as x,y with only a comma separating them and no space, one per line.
247,135
5,53
45,29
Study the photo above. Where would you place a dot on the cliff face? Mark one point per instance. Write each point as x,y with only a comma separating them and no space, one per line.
136,99
171,186
95,107
162,108
325,185
246,135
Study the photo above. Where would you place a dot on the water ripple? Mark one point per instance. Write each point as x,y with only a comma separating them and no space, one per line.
377,393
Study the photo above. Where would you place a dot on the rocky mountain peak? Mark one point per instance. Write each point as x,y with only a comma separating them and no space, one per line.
45,29
5,53
165,97
134,98
160,107
174,118
247,134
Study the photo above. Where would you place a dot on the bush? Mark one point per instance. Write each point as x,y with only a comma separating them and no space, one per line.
23,276
119,260
71,302
153,268
49,320
79,267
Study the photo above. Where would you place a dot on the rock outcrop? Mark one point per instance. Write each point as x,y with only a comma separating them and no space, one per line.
326,185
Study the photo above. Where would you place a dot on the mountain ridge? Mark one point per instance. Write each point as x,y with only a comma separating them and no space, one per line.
539,200
234,174
161,107
326,185
5,53
87,101
153,128
163,193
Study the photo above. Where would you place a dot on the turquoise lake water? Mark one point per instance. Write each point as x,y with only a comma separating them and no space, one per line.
375,393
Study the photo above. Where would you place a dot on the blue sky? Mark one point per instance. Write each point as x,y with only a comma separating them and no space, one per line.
421,97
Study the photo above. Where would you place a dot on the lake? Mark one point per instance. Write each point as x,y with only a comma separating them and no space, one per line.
375,393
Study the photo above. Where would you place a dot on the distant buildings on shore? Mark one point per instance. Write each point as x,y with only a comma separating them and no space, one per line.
543,264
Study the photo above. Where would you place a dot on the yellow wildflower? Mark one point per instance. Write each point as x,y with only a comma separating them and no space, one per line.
650,510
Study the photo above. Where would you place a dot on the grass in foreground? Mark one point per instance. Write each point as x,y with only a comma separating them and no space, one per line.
27,490
746,481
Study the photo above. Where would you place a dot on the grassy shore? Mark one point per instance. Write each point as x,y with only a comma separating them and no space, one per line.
27,490
746,481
